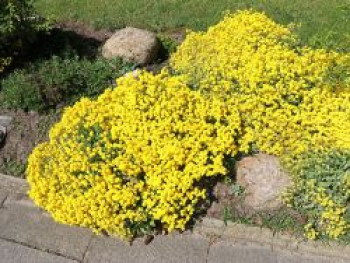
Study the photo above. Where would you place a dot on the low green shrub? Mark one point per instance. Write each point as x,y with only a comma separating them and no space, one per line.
168,44
321,190
59,81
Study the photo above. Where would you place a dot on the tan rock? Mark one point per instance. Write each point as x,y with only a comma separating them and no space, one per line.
263,179
132,44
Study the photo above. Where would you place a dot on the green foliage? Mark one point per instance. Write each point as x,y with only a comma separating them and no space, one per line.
169,44
18,25
339,75
18,92
283,220
59,81
13,167
321,191
237,190
280,221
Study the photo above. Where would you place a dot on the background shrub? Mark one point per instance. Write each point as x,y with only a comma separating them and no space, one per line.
18,26
4,62
59,81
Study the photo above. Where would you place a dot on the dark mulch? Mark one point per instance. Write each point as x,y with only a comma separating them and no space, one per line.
84,30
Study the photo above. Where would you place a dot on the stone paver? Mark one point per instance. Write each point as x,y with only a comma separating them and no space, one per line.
253,233
224,252
227,251
281,244
16,253
27,234
13,184
22,222
163,249
5,121
290,257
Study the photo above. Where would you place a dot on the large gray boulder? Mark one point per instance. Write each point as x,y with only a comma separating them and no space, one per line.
133,45
264,180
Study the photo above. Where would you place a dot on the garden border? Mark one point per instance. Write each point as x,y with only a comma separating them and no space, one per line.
243,234
216,230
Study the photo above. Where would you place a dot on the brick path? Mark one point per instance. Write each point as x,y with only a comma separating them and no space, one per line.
29,235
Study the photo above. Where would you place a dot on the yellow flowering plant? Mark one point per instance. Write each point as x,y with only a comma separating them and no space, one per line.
292,100
280,88
134,157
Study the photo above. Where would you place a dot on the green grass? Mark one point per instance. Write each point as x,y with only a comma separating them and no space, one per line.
324,23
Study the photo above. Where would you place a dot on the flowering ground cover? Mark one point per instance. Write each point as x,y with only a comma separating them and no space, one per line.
135,160
140,154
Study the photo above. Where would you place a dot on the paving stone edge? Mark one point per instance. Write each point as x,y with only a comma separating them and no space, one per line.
243,234
231,232
13,184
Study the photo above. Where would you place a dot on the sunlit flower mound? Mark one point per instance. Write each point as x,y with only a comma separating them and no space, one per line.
134,157
292,100
291,97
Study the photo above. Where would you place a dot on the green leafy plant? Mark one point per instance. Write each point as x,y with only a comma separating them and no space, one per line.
227,215
13,167
237,190
321,191
168,44
59,81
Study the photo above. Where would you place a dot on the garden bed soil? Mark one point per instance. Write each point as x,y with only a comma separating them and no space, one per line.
26,130
84,30
230,207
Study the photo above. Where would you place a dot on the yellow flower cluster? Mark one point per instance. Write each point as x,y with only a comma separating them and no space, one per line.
4,62
278,87
136,154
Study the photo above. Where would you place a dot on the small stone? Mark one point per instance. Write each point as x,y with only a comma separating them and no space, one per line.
264,180
5,121
132,44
